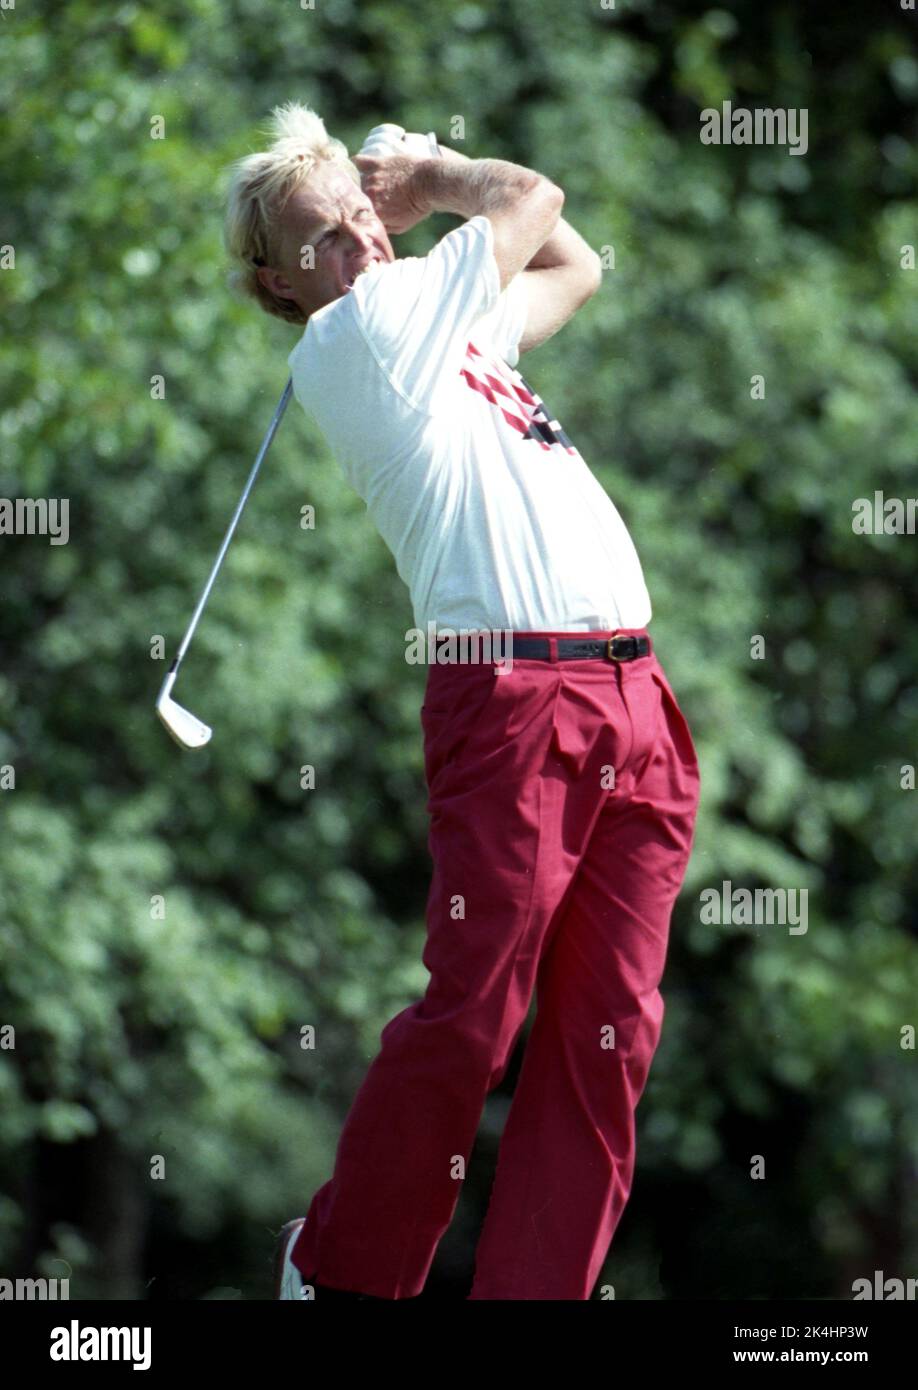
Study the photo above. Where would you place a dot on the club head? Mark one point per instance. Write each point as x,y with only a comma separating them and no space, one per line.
184,727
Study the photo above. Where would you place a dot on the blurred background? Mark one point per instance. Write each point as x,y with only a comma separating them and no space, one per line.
169,921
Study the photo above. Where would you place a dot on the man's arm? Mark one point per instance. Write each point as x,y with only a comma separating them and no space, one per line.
524,210
560,276
522,206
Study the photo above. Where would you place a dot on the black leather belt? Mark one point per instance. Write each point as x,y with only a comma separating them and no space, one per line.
582,648
577,648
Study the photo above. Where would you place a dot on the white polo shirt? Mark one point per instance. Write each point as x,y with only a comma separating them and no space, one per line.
493,517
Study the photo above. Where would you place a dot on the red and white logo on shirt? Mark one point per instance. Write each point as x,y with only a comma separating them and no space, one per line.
509,393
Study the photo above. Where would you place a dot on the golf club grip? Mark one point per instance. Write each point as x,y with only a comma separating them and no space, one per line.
265,446
385,140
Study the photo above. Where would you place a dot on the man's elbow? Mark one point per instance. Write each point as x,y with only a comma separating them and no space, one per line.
553,192
584,278
592,275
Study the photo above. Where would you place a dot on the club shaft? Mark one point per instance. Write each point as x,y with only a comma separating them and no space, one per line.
265,446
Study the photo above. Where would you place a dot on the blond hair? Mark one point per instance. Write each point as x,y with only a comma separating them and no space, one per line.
259,187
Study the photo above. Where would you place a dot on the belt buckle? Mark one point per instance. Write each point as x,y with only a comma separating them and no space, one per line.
611,654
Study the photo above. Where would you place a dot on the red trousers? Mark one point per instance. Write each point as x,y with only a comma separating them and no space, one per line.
562,809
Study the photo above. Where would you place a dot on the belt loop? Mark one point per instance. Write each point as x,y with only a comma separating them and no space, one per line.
553,648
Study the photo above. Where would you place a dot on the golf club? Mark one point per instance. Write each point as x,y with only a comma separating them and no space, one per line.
184,727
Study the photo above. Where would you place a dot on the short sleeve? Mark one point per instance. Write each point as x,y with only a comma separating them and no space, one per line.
505,324
416,314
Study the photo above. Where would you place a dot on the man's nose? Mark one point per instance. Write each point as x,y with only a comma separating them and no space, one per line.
360,236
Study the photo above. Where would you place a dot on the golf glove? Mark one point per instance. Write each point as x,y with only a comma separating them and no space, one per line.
390,139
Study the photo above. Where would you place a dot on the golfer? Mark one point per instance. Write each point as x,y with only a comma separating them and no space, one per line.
563,782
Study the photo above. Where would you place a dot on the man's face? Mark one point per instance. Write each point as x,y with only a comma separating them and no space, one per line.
334,216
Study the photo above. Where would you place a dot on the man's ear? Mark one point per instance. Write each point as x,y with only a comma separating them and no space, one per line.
276,282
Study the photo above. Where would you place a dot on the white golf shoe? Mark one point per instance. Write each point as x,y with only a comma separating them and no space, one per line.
288,1281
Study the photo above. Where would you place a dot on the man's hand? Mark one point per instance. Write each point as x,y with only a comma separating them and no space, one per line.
388,183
